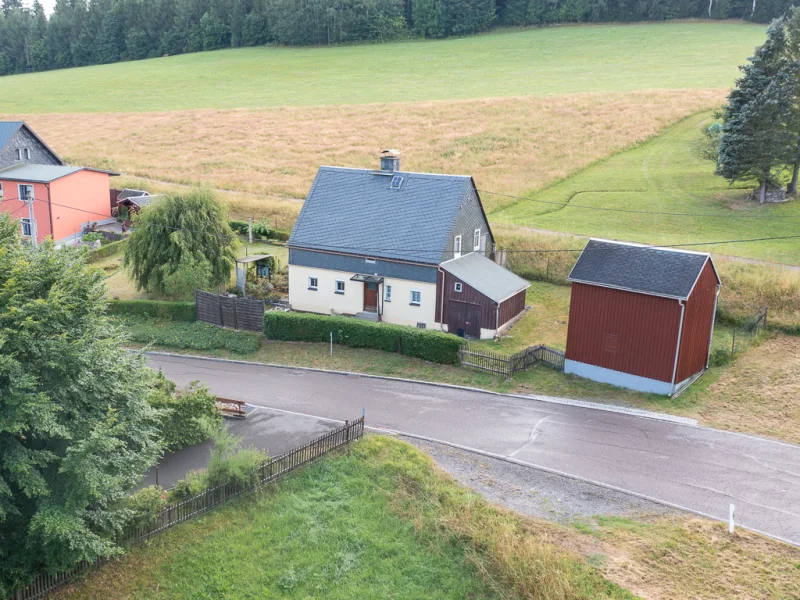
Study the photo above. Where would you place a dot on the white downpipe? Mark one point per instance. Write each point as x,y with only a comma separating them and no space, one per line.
678,345
713,319
497,321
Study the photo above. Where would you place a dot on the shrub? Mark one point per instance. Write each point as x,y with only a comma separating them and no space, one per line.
93,237
172,311
188,275
146,504
260,230
230,462
719,357
189,417
105,251
428,345
195,483
195,336
281,236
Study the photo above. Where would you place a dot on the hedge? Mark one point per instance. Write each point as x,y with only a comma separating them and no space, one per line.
260,230
171,311
428,345
191,336
105,251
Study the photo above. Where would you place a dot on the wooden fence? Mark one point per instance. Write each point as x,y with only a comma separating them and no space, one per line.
230,311
170,516
508,365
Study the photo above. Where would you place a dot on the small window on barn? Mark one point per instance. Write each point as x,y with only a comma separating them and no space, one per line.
397,181
416,297
388,294
312,283
339,286
610,342
459,286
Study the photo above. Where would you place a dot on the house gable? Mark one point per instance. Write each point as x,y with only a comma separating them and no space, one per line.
18,136
471,216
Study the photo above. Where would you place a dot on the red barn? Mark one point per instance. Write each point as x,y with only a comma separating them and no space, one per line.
641,317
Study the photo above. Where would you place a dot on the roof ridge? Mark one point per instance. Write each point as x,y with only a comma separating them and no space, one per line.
648,246
379,172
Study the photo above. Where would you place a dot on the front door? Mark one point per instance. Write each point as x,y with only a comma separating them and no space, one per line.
370,297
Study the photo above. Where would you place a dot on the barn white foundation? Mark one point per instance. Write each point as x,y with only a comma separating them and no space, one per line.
620,379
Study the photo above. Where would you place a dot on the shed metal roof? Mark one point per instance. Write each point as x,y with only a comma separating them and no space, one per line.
486,276
356,211
666,272
42,173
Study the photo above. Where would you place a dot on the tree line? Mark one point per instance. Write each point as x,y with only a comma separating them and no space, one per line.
760,138
81,32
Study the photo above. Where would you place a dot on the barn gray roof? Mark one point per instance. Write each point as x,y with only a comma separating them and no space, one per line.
355,211
637,268
7,131
486,276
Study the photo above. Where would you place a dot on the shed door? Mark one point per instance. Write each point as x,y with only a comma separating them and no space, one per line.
465,317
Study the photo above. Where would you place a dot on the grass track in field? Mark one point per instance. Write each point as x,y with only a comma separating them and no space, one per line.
665,174
555,60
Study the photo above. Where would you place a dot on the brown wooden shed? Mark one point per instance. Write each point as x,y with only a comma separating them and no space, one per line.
641,317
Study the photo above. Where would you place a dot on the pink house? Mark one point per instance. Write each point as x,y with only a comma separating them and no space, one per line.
49,198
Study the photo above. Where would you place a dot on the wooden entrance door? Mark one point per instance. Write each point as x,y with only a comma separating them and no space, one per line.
466,317
370,297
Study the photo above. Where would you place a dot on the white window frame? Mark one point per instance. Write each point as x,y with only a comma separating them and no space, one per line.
20,194
476,240
387,293
313,283
26,222
1,190
18,153
459,287
369,261
419,295
457,246
27,153
336,288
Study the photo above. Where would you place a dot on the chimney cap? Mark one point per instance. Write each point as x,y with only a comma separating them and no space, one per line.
390,152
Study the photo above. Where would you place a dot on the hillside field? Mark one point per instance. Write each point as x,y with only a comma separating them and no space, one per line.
549,61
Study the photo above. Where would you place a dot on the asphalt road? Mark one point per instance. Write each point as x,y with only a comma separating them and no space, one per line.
703,470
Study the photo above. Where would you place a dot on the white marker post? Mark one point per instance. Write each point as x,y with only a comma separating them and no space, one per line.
331,344
730,520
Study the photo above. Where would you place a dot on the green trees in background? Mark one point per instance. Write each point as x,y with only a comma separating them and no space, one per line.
83,32
179,243
761,129
76,429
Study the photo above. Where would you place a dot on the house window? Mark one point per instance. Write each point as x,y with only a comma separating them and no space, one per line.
1,191
26,227
387,295
416,297
339,286
459,286
312,283
457,247
476,240
25,191
27,154
369,261
18,154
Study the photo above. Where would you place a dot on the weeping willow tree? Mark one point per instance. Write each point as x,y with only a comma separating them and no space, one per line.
180,242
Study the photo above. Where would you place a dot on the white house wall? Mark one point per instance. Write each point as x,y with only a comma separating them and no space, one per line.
325,300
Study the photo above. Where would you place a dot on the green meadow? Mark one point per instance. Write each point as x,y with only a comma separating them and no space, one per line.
549,61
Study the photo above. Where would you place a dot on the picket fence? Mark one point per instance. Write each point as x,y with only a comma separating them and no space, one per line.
170,516
508,365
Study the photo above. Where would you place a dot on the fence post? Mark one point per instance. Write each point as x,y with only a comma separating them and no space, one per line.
766,309
250,230
733,343
547,273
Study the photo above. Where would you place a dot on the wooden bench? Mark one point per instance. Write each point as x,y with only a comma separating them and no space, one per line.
232,408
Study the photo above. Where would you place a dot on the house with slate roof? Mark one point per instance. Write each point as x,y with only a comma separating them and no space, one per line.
401,247
48,197
641,317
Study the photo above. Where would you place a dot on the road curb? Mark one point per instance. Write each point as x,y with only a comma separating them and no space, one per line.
635,412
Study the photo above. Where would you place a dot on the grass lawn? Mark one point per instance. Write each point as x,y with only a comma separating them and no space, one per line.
556,60
382,522
665,174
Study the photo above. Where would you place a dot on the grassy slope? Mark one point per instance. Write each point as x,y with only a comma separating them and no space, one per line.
382,522
376,523
556,60
665,174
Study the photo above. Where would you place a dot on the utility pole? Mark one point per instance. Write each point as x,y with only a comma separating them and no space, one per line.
29,201
250,231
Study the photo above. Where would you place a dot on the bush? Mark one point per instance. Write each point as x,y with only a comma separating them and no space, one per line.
188,275
146,504
260,230
105,251
194,336
195,483
189,417
719,357
93,237
230,462
281,236
428,345
172,311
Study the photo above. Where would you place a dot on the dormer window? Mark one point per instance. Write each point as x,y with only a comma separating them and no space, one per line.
396,182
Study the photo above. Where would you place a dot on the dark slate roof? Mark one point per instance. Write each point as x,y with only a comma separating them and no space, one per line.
355,211
637,268
8,129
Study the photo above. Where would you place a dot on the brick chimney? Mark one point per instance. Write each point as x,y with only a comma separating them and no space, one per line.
390,160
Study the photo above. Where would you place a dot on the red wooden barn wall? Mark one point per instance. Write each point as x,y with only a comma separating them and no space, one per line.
469,295
511,307
697,321
624,331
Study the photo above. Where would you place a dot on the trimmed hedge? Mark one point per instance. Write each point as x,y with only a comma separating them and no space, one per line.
105,251
433,346
170,311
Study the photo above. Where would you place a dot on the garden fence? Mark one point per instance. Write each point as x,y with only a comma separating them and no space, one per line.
744,334
509,365
229,311
173,514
